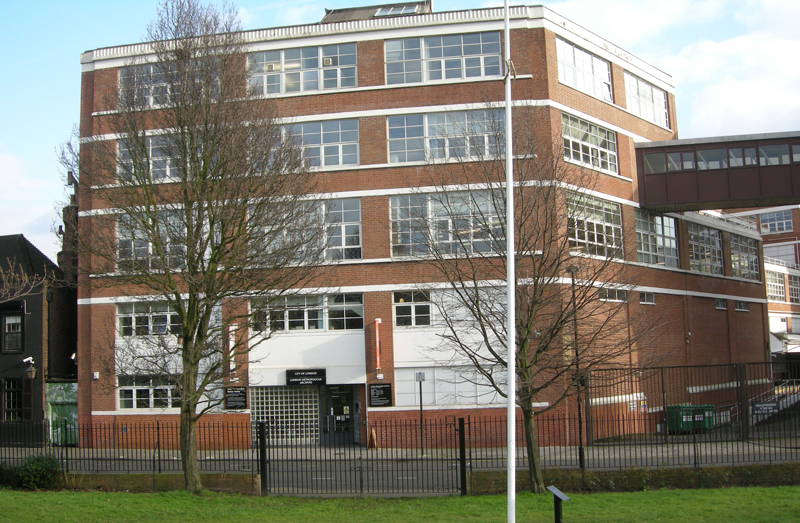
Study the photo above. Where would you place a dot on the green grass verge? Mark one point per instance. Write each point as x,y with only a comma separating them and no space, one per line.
739,505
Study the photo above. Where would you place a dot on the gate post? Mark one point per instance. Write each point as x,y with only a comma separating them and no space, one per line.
462,456
262,456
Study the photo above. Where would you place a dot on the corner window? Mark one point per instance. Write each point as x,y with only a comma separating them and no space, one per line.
656,239
412,309
583,71
589,144
594,225
646,100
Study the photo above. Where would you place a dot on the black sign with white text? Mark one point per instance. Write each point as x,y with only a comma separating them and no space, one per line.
305,377
235,398
380,395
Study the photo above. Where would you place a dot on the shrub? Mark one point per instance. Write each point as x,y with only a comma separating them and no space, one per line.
38,472
8,476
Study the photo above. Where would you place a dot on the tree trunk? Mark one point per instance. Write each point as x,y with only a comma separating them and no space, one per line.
534,460
191,472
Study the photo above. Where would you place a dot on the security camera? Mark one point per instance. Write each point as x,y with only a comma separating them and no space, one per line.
28,360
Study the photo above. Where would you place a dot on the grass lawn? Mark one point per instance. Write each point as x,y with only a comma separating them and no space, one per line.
732,505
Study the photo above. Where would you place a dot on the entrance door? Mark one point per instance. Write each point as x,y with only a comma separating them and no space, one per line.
336,415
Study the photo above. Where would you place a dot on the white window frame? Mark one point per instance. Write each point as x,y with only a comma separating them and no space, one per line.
584,71
317,68
290,313
776,288
345,311
327,143
446,136
794,288
138,319
588,144
656,239
147,393
721,304
151,88
159,164
12,325
741,306
647,101
135,250
647,298
396,10
594,225
343,224
776,222
744,257
705,249
419,221
611,294
442,58
412,309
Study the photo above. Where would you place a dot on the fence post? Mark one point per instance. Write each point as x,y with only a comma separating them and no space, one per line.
744,409
665,426
65,446
262,455
158,444
462,456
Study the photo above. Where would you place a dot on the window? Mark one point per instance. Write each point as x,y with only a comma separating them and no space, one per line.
328,143
778,221
302,69
589,144
583,71
443,386
308,312
594,225
452,223
705,249
774,154
646,100
456,135
147,392
720,304
16,399
137,251
647,298
147,319
776,289
343,219
345,311
742,157
741,306
157,162
712,159
449,57
606,294
656,239
794,288
289,313
396,10
12,332
145,84
412,309
655,163
744,257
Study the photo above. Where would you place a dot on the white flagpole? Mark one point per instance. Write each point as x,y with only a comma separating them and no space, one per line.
511,286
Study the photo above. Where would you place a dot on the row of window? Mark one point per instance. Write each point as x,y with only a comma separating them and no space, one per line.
407,60
721,158
466,223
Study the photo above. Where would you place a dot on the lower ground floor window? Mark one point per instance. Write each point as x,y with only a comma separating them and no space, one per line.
16,399
147,392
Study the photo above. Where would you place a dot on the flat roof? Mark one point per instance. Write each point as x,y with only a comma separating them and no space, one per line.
720,139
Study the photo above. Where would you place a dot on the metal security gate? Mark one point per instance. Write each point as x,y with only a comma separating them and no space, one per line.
392,463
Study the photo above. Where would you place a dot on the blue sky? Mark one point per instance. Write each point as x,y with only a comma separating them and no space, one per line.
734,63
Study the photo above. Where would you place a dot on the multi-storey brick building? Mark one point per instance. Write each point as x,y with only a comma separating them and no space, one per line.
379,84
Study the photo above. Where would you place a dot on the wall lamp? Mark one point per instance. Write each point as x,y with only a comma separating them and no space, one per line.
31,370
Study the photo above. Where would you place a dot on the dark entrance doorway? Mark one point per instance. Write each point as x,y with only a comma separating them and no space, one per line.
337,415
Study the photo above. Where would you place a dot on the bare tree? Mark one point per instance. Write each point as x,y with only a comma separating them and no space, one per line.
203,206
16,282
571,314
